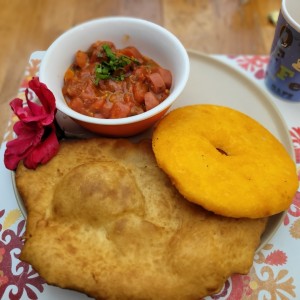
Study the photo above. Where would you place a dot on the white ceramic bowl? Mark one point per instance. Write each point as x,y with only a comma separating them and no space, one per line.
150,39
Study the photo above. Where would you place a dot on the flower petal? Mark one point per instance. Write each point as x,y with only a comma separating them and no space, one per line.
36,109
31,113
36,140
28,137
46,98
19,110
43,152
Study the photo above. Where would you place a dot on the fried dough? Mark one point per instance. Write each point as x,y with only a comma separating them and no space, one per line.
225,161
103,219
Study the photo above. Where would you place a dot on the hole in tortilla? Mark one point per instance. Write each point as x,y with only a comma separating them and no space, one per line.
222,151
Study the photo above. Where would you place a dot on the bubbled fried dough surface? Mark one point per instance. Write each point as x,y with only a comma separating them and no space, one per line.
103,219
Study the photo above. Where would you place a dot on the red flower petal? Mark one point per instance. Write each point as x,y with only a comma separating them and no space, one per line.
28,137
18,109
37,141
25,113
45,96
44,151
36,110
31,113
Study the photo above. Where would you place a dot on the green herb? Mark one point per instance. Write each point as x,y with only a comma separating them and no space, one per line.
108,52
113,68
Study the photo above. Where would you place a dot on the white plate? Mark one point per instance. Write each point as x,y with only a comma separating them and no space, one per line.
212,81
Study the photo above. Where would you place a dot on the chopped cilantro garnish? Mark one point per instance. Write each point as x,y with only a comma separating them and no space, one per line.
113,68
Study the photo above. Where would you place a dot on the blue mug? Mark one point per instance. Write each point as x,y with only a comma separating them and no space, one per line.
283,71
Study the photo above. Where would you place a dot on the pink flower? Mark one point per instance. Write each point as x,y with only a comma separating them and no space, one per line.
36,141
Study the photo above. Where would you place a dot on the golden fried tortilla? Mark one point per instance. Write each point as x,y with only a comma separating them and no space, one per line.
103,219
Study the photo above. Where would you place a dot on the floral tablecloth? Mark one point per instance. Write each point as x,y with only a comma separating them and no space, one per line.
275,273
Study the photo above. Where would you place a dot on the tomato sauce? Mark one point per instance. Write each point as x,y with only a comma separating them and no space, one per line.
106,82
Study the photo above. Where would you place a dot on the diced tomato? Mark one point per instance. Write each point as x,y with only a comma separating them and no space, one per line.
81,59
128,98
75,89
150,100
136,110
88,93
120,110
69,75
106,109
157,84
97,106
78,105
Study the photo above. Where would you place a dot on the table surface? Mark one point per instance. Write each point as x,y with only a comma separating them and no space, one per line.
235,27
211,27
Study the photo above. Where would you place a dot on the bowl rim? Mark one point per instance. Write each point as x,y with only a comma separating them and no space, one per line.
63,107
